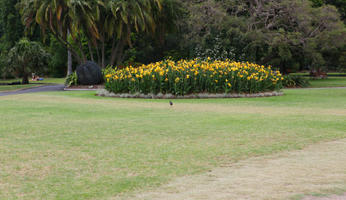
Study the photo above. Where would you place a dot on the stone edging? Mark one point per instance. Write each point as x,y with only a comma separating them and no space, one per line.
105,93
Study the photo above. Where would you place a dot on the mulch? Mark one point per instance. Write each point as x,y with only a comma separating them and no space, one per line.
85,87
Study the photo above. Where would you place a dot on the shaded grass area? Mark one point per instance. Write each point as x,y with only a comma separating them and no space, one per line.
329,82
329,74
333,80
46,81
74,145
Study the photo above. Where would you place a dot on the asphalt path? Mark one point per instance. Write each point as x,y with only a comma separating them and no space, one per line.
46,88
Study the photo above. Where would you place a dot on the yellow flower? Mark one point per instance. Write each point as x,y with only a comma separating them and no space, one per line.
229,85
108,75
177,80
216,81
166,79
187,76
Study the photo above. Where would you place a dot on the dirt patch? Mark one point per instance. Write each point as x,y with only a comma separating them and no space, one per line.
317,168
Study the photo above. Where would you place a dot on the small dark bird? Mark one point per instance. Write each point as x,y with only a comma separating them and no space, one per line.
171,103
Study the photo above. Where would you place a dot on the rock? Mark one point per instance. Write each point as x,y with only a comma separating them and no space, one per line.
89,73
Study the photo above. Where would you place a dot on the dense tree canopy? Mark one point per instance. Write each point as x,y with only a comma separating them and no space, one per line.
11,28
289,34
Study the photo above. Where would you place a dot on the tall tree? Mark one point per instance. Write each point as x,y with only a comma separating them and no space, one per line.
11,27
99,22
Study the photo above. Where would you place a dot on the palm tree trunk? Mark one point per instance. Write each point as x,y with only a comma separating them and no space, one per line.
68,46
120,53
115,52
91,52
81,51
103,54
69,59
98,55
69,63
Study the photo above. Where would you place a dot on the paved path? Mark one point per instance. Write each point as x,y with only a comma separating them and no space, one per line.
46,88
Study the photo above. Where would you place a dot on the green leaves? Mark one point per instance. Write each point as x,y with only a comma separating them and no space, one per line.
27,57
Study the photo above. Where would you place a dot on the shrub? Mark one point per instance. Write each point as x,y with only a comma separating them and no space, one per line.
194,76
292,81
71,79
27,57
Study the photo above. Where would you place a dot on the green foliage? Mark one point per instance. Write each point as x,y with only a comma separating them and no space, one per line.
71,79
290,34
11,27
58,60
2,65
27,57
193,76
295,81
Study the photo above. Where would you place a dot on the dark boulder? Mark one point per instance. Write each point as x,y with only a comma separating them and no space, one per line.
89,73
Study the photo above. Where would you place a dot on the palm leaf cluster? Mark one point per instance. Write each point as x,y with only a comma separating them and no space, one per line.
99,22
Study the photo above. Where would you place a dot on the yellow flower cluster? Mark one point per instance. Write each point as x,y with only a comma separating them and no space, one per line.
190,76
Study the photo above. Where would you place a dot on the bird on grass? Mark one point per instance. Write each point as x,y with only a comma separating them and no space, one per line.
171,103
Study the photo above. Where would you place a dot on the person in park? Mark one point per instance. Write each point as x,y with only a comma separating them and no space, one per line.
36,78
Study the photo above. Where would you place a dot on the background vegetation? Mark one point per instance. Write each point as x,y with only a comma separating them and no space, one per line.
290,34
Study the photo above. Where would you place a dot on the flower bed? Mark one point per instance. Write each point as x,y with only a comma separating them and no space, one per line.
194,76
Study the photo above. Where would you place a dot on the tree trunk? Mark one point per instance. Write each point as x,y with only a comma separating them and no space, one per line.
98,55
103,54
68,46
69,63
25,79
84,58
69,58
120,53
115,52
91,52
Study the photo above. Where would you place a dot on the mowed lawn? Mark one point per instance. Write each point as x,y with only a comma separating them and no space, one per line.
329,82
73,145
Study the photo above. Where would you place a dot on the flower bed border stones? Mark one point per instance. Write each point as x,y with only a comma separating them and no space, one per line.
105,93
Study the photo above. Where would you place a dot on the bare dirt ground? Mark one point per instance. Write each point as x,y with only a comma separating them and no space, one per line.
320,168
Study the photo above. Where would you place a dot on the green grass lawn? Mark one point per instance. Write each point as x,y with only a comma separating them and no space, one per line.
46,81
74,145
329,73
329,82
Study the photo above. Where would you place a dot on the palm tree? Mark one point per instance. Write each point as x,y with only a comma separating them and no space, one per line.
100,21
130,16
60,17
26,57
